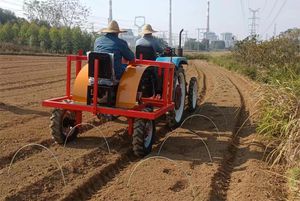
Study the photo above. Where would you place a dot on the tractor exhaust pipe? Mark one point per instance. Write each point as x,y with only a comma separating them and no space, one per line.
180,50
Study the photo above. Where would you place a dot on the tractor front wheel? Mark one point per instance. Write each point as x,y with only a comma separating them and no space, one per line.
143,137
174,118
193,94
62,126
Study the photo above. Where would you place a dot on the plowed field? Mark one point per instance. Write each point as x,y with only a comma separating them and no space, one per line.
214,155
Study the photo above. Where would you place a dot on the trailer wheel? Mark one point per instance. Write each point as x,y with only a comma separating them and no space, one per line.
62,123
193,94
179,92
143,136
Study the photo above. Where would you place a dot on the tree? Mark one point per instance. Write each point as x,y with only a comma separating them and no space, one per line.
77,39
7,16
23,34
55,39
33,33
73,13
6,33
87,41
44,38
57,13
15,31
66,40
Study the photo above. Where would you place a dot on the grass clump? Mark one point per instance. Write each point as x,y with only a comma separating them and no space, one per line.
280,124
198,56
275,64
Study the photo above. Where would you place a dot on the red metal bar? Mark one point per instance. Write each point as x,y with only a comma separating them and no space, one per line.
78,117
152,101
159,72
95,95
59,99
171,83
68,86
57,103
130,126
165,87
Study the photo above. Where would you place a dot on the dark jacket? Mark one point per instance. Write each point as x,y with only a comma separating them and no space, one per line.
111,43
149,41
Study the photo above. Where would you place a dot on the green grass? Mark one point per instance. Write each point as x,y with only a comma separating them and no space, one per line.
229,62
200,56
279,118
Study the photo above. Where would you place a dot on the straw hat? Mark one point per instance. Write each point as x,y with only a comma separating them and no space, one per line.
147,29
113,27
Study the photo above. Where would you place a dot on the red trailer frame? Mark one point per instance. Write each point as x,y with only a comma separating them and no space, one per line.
162,105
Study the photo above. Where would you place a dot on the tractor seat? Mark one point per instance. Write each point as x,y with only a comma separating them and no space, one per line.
148,53
107,82
106,72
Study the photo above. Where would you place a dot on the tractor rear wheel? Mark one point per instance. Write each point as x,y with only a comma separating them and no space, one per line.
174,118
62,125
143,136
193,94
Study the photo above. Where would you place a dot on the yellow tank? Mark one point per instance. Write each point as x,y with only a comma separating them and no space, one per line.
127,90
80,85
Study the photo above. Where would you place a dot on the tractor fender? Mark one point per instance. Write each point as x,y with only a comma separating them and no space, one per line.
127,89
80,85
128,86
176,60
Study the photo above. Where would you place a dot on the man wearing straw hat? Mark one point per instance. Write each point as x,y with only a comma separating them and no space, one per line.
148,40
111,43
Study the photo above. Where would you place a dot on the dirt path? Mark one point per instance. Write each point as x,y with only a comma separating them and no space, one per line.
215,155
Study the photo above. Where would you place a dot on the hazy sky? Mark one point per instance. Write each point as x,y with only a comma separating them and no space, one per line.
225,15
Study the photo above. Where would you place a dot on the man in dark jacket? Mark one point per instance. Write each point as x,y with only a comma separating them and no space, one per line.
111,43
148,40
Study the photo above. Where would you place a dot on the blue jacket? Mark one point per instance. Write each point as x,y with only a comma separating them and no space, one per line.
150,41
110,43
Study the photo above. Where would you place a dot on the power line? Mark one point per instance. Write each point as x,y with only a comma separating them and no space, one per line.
265,6
274,6
242,8
276,16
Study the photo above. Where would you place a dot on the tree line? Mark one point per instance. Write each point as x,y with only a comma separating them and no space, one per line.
48,39
41,35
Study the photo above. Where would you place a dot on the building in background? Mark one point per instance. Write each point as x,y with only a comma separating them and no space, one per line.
228,38
211,36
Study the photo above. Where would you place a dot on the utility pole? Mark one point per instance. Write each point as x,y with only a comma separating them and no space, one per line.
207,26
253,25
198,39
170,24
110,11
